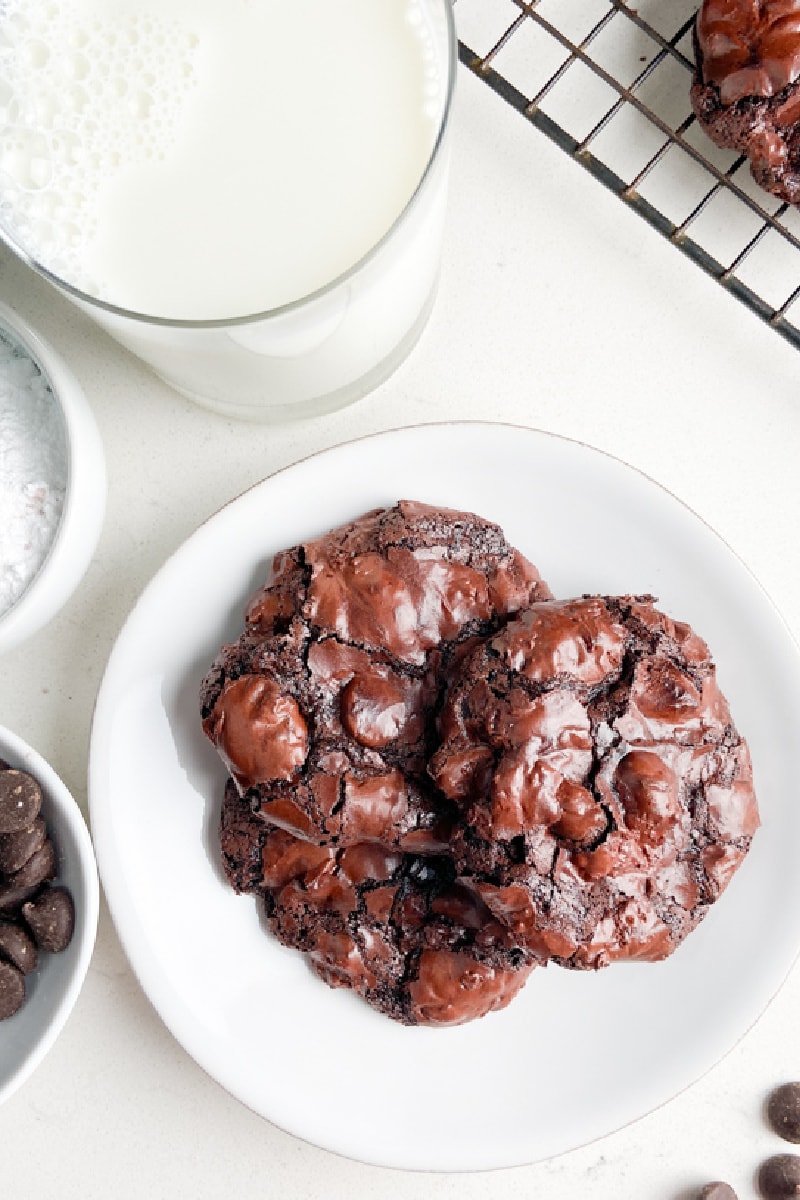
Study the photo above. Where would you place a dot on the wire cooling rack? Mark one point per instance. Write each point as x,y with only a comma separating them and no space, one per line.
608,81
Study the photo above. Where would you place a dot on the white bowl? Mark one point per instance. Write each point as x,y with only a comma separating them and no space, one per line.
53,988
79,528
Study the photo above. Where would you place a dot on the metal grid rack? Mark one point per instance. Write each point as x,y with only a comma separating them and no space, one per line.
608,81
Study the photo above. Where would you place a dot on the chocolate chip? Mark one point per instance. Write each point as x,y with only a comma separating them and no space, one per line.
39,868
17,947
25,882
779,1177
717,1191
20,800
12,897
12,990
783,1111
16,848
50,916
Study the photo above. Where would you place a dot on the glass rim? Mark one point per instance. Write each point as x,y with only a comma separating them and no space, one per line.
291,306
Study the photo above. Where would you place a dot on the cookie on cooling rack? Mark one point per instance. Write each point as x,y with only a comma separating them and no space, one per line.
323,709
605,796
746,89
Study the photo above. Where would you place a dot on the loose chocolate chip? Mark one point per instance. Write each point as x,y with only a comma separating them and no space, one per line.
717,1191
17,947
51,918
779,1177
12,990
783,1111
20,800
17,848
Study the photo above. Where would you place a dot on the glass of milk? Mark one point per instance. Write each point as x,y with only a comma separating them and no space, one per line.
248,194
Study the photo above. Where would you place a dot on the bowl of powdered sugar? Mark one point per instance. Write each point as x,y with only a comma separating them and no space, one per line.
52,481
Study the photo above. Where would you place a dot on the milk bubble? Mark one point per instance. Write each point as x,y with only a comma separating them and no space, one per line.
201,159
64,70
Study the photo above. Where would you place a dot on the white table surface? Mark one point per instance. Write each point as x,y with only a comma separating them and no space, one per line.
559,310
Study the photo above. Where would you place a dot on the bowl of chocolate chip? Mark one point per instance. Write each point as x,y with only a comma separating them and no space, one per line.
49,899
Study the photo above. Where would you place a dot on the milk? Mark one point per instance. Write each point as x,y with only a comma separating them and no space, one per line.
197,161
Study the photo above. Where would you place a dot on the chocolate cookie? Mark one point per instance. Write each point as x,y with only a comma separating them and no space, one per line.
605,795
395,927
746,89
323,709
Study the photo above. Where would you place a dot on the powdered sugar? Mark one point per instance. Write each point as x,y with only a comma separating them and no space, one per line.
33,469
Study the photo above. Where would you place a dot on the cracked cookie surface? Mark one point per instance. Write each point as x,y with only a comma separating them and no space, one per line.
323,709
394,927
440,777
746,90
324,714
605,797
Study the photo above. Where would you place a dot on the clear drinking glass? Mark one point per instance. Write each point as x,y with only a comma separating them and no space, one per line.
323,350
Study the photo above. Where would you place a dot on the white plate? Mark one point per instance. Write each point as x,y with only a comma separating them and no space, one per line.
576,1055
